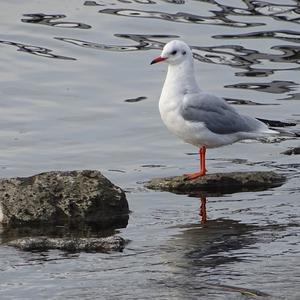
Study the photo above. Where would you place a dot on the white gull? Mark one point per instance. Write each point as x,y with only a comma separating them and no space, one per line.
201,119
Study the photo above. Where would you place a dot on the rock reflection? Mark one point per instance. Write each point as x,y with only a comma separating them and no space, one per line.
8,233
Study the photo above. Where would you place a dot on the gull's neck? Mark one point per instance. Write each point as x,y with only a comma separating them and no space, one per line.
180,81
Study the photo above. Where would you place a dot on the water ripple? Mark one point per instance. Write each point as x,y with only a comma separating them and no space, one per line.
274,87
286,35
143,42
218,19
48,20
241,57
94,3
35,50
279,12
236,56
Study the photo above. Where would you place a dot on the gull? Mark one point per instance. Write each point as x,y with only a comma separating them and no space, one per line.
199,118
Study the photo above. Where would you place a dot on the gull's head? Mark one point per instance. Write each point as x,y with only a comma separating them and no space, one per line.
174,52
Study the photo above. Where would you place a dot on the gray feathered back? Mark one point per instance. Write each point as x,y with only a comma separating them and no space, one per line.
217,115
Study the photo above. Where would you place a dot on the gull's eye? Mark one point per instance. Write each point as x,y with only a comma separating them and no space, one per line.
174,52
184,53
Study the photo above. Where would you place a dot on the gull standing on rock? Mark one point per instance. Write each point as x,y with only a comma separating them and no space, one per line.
199,118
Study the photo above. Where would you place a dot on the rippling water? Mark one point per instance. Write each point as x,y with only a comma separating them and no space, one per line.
77,92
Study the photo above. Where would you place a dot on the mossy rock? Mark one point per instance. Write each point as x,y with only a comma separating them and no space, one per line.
63,197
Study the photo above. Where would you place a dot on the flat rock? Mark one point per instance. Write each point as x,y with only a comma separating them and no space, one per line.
219,183
72,197
101,244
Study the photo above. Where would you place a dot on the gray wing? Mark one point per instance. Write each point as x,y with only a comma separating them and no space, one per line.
217,115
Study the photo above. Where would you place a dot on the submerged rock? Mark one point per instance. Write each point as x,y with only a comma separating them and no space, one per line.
219,183
101,244
292,151
72,197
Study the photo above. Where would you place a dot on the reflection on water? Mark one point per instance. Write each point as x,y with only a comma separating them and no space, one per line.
231,55
285,35
235,56
35,50
274,87
199,251
144,42
101,3
204,245
241,57
12,233
137,99
202,211
92,3
218,19
280,12
93,105
50,21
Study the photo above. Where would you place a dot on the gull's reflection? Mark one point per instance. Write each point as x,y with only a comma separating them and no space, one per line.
212,243
202,211
199,256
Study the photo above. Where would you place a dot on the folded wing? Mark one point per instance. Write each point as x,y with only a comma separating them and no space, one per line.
217,115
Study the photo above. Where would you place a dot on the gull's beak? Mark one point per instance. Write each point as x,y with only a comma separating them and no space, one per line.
157,60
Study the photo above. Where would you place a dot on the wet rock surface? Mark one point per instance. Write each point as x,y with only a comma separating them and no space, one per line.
72,197
219,183
101,244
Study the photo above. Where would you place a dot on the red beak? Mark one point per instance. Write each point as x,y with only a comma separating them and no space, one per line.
157,60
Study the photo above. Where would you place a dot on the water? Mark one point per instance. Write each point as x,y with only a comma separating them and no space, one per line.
77,92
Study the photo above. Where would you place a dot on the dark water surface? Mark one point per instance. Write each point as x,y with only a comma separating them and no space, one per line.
77,92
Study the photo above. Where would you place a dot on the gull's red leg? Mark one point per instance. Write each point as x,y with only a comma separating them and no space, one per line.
202,152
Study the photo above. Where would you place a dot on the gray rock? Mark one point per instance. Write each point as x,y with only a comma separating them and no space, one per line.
292,151
72,197
219,183
104,244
